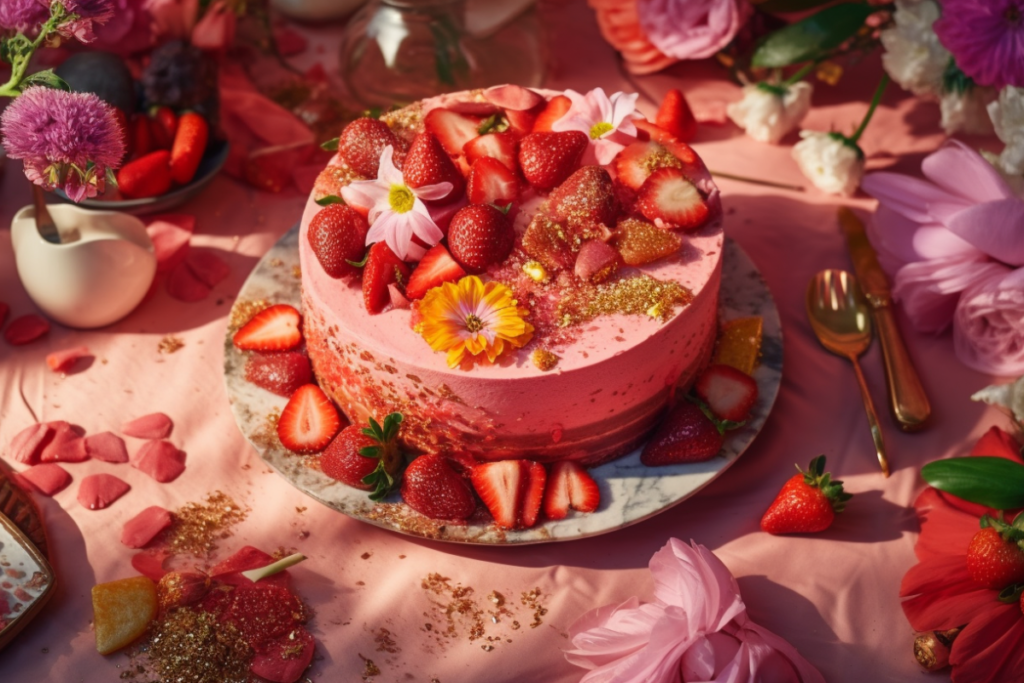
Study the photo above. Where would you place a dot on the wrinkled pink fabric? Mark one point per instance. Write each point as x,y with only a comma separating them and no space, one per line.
696,630
691,29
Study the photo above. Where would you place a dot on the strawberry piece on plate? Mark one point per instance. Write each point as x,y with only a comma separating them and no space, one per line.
685,435
556,108
490,182
428,164
361,143
337,235
729,393
382,269
500,146
547,159
309,421
675,116
480,236
432,488
808,502
26,329
670,200
435,268
501,486
570,487
273,329
533,497
148,176
452,129
366,458
279,373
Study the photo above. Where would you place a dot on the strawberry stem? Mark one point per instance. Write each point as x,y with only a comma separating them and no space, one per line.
255,575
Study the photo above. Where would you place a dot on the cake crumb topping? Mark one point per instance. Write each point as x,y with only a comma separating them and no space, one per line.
544,359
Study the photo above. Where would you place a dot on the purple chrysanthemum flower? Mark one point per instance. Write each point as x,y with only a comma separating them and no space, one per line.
64,139
24,16
986,38
86,13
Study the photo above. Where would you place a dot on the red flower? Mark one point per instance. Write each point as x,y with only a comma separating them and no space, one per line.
941,595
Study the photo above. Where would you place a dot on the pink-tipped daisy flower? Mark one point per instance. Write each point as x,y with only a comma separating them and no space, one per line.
64,139
986,37
607,121
396,211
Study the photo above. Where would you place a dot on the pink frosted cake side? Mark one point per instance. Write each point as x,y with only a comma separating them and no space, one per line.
588,386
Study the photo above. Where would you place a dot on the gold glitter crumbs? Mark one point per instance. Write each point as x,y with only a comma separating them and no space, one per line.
243,311
190,646
487,623
636,295
370,669
170,344
544,359
198,526
532,600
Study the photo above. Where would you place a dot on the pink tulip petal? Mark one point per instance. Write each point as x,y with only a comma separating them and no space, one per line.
63,445
98,491
160,460
994,228
184,286
150,563
907,196
27,445
170,234
207,267
962,172
47,478
145,526
106,446
62,361
152,426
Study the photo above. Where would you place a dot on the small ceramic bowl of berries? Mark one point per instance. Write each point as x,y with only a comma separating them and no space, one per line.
168,108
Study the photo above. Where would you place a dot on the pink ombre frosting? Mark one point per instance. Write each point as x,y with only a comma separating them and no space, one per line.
604,396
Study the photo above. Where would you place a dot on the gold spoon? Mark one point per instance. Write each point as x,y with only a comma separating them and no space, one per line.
841,320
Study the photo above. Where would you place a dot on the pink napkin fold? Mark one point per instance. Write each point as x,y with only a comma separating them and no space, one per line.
697,629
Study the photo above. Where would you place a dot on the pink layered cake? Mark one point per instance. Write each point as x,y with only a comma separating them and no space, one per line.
540,292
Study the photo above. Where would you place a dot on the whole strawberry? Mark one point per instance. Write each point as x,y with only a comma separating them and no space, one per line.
547,159
808,502
687,434
337,235
361,143
431,487
994,558
585,199
480,236
428,164
366,458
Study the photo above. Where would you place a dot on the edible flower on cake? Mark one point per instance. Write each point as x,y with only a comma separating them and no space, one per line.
607,121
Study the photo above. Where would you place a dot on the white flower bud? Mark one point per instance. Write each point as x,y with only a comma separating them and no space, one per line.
829,162
767,116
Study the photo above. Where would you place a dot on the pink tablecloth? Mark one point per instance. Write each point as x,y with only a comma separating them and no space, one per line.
833,595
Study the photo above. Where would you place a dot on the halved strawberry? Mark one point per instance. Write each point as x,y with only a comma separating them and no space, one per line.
569,486
671,201
382,269
685,435
452,129
547,159
536,478
556,108
500,146
436,267
636,162
273,329
480,236
428,164
361,143
729,393
490,182
501,486
675,116
337,235
309,421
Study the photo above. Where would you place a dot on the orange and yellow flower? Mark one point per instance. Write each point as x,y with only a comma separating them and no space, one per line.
470,317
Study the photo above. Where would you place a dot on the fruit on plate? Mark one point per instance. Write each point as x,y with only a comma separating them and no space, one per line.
337,235
547,159
279,373
366,458
533,495
435,268
382,268
147,176
675,117
729,393
570,486
995,558
501,486
433,488
739,343
808,502
122,610
309,421
273,329
637,161
361,143
480,236
189,146
687,434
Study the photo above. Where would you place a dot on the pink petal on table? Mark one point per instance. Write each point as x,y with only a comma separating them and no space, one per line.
152,426
62,361
98,491
184,286
61,446
48,478
144,527
160,460
29,442
279,662
150,563
170,234
207,267
73,450
26,329
106,446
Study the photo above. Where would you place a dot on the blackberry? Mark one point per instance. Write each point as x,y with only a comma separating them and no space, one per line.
180,76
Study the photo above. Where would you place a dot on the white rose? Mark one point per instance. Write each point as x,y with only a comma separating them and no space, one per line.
1007,114
829,163
966,112
1009,396
767,116
913,56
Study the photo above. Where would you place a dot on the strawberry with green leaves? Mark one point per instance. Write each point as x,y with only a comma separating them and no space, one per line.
366,458
995,556
808,502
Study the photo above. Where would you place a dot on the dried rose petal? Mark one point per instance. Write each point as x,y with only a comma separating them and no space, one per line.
170,234
229,571
47,478
62,361
207,267
144,527
62,447
26,329
106,446
160,460
152,426
283,660
29,442
150,563
184,286
98,491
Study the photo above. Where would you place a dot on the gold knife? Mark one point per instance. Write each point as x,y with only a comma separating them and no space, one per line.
907,399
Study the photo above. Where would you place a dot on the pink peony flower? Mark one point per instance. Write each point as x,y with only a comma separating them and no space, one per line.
24,16
64,139
988,326
986,37
697,629
84,15
607,121
692,29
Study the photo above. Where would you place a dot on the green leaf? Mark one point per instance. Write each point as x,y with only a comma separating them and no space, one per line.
812,38
330,199
47,79
495,123
994,482
783,6
330,146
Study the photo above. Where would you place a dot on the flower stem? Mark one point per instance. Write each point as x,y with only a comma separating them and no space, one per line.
255,575
871,109
800,73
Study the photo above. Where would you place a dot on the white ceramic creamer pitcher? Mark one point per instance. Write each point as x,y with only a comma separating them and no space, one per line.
97,275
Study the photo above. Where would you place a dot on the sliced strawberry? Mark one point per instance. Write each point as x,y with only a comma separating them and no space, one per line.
675,116
636,162
729,392
480,236
570,486
309,421
490,182
596,261
514,98
428,164
337,235
501,486
436,268
382,269
361,144
670,200
500,146
279,373
586,198
452,129
521,123
685,435
273,329
651,131
640,242
555,109
432,488
547,159
536,478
